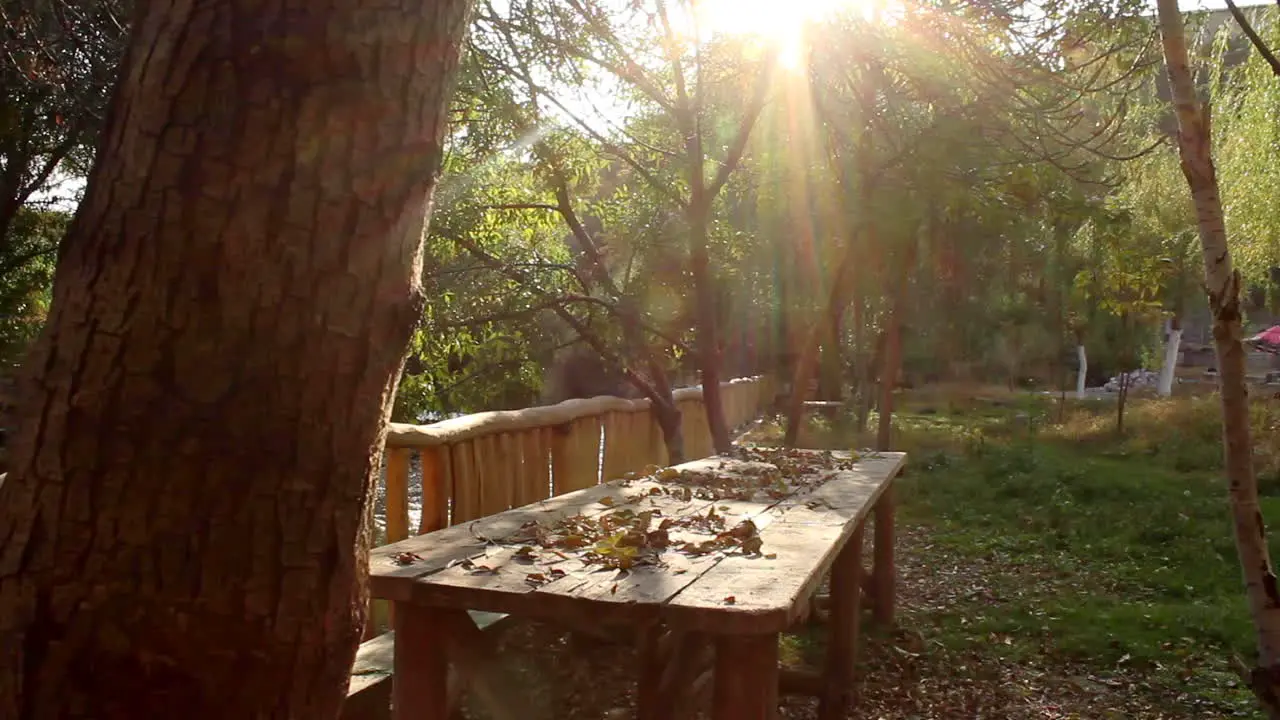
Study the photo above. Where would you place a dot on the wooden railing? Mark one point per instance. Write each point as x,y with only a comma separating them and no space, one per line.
485,463
482,464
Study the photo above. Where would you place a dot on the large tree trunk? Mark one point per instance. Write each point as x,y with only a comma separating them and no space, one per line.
183,532
1223,285
1167,371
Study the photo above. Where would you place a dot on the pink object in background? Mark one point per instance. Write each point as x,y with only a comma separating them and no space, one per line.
1268,340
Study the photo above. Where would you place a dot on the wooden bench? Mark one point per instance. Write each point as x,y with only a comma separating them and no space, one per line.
369,693
705,618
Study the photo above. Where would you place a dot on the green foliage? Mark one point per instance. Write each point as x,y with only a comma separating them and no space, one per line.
1245,100
27,258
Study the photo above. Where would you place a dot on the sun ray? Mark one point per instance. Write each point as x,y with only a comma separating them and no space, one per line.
781,22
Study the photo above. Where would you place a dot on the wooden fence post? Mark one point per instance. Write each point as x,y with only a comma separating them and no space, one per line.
436,488
397,494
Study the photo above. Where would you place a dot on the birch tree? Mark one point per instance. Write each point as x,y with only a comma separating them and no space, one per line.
1222,284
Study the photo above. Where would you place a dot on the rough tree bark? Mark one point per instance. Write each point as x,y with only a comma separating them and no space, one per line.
1223,285
183,532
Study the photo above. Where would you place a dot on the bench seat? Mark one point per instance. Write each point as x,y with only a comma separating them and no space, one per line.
369,693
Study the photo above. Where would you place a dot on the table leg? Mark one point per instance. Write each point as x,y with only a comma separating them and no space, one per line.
883,573
420,683
746,677
650,701
842,639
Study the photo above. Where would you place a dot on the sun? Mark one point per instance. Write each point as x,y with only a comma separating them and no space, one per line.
779,20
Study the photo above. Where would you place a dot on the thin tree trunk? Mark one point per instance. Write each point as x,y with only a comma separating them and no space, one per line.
1062,393
658,386
708,327
837,299
893,351
1120,401
1223,285
888,379
666,412
1082,371
1170,366
861,361
830,385
184,530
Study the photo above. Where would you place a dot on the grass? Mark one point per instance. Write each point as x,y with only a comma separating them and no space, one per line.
1068,544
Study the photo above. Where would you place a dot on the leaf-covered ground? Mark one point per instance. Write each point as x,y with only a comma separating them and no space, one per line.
929,668
1047,570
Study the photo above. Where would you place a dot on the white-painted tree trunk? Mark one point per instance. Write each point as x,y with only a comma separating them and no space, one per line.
1165,387
1083,361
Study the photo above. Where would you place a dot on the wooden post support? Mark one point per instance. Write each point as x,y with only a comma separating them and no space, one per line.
884,572
546,445
466,490
489,475
653,657
533,475
657,453
615,461
585,441
397,494
435,488
842,639
562,457
746,677
510,469
420,684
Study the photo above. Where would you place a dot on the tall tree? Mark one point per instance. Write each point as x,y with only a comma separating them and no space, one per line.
1222,284
183,532
690,88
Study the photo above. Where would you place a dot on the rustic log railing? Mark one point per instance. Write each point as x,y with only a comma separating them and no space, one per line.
485,463
482,464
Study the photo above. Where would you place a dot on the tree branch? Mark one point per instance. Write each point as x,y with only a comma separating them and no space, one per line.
748,123
1249,32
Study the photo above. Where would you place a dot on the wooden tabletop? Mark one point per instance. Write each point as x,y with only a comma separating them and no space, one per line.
722,545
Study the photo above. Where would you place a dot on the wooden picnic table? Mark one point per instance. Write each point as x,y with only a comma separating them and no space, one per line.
709,560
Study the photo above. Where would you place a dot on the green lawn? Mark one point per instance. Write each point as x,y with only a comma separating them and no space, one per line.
1067,544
